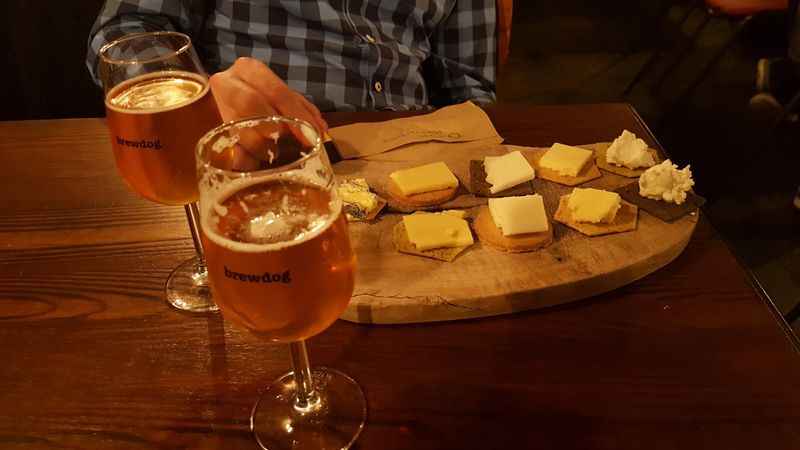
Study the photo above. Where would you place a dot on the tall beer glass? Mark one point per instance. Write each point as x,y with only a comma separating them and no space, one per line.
158,104
281,266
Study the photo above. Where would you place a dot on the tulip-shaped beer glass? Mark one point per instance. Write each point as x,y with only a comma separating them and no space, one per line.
158,104
280,265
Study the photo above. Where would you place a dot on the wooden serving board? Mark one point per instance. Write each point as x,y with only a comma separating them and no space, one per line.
392,287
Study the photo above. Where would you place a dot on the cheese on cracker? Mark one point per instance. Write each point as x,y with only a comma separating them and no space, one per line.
593,205
566,159
519,215
507,171
358,199
665,182
629,151
430,177
428,231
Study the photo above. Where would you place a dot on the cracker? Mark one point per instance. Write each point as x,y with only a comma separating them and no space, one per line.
668,212
411,202
375,211
479,186
602,162
372,214
403,245
589,172
490,235
625,220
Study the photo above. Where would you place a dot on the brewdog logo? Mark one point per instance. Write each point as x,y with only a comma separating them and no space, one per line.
143,144
266,277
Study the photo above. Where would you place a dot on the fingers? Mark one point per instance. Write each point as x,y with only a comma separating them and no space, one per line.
237,99
321,124
286,101
249,88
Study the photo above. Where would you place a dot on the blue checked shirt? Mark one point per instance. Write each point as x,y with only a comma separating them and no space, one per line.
341,54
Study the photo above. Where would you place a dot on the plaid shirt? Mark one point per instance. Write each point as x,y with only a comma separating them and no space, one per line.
341,54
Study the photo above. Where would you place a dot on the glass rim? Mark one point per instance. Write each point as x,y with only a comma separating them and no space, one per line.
128,37
250,122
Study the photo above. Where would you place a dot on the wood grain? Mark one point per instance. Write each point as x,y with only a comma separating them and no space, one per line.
687,357
393,287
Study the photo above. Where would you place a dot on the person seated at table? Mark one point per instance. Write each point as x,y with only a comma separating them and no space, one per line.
778,80
298,57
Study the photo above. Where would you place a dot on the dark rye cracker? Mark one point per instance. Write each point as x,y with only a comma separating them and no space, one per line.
478,185
403,245
668,212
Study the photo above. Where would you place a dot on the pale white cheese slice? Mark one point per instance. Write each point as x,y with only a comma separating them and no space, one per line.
519,215
507,171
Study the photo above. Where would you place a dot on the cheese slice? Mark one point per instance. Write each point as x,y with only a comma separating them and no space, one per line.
507,171
430,177
593,205
460,213
566,159
519,215
428,231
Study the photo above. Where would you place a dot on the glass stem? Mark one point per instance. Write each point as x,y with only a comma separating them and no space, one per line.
193,217
306,395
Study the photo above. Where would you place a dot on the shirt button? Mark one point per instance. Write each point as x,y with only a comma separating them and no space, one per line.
378,86
370,39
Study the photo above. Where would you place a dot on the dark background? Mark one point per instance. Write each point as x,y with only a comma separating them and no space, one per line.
45,43
570,51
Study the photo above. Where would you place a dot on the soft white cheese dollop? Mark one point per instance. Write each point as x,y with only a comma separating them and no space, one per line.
629,151
665,182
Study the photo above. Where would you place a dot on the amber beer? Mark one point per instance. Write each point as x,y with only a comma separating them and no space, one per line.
279,258
155,122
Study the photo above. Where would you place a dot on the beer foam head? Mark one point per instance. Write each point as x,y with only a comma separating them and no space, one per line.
285,223
157,92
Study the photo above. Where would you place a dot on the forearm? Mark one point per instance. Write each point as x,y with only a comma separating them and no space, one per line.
465,55
121,17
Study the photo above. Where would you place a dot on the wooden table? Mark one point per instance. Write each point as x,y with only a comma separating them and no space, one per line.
689,357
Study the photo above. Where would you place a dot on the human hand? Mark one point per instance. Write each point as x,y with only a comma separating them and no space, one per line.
249,88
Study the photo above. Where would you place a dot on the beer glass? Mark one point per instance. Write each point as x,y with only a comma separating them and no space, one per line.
158,104
280,265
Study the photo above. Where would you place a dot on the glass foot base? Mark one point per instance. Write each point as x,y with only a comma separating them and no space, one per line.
187,288
333,421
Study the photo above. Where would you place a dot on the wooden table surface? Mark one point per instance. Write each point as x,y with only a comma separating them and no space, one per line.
92,357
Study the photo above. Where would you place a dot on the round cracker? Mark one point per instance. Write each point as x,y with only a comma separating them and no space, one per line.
490,234
423,199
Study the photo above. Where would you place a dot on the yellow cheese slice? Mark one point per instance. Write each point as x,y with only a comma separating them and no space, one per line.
507,171
593,205
429,231
430,177
566,159
460,213
519,215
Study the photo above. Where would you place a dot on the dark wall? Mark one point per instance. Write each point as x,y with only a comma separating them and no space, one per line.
45,46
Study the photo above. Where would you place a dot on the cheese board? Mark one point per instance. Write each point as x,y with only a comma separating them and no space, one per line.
393,287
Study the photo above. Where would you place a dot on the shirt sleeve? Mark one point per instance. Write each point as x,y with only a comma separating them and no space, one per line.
121,17
464,54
